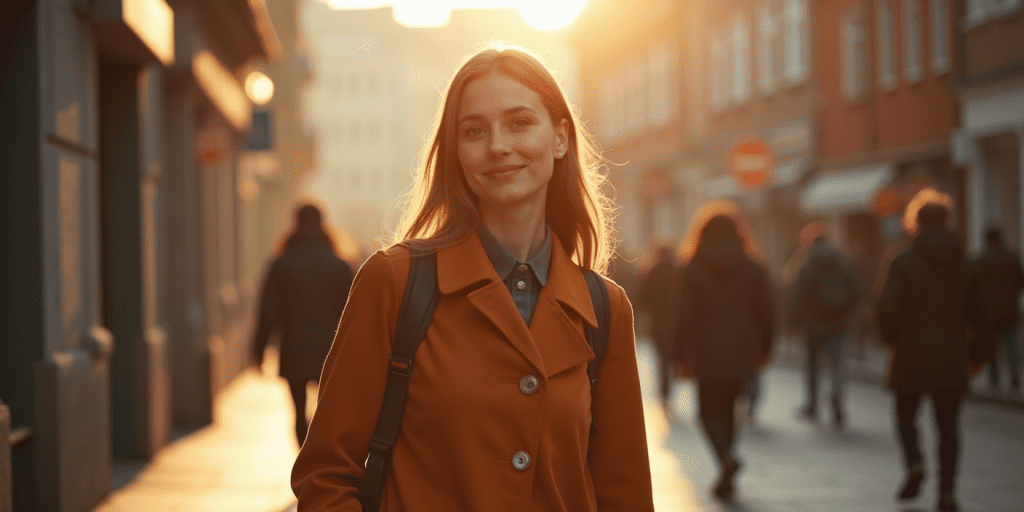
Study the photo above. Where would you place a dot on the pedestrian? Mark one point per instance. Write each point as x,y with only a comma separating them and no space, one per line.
304,293
726,323
928,305
500,414
1001,278
823,298
657,299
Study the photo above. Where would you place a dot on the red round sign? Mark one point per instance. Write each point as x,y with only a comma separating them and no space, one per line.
751,163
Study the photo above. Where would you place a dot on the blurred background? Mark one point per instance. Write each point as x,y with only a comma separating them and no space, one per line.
154,152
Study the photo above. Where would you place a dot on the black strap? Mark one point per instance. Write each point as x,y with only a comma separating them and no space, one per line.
598,338
421,296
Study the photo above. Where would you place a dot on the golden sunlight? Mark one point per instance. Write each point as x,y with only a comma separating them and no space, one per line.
541,14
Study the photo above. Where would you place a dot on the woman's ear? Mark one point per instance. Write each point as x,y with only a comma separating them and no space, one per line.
562,137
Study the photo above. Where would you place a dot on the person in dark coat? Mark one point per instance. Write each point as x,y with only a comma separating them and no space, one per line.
927,310
303,297
1001,278
823,298
726,324
656,297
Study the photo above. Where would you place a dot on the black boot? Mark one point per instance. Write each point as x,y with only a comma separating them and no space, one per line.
947,502
912,485
724,488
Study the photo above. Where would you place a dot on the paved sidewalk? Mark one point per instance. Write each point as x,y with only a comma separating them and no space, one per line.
240,463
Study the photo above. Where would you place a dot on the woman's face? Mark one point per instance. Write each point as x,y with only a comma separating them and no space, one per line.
507,143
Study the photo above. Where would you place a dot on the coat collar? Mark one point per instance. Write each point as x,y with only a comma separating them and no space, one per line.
466,264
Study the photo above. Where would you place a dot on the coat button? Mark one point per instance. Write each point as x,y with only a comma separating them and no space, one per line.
523,268
529,384
521,460
521,285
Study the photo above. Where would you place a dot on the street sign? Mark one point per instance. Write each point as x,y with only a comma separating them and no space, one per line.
751,163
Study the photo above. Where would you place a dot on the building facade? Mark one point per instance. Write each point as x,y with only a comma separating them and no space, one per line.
120,246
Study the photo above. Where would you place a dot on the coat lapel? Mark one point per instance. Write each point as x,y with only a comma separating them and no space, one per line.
555,326
466,264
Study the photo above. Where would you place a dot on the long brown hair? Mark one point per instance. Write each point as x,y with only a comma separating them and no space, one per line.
442,209
708,211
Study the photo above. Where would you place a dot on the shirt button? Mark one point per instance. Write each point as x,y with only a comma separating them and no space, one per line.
529,384
523,268
521,460
521,285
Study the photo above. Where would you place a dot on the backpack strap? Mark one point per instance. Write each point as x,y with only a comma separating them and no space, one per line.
597,337
418,304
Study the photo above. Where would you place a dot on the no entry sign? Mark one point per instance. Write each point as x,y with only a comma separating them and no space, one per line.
751,162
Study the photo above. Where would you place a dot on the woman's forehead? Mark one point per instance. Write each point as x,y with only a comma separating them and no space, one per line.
496,93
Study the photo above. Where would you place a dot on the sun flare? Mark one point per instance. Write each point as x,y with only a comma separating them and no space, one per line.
541,14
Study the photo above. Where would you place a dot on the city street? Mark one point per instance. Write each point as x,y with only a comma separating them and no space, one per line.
790,465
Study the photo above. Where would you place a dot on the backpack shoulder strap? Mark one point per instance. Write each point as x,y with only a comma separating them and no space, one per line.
418,304
598,338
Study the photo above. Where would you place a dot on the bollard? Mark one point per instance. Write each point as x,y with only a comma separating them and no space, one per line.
5,459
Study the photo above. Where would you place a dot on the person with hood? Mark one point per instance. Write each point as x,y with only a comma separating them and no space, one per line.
303,296
823,297
725,325
1001,278
927,310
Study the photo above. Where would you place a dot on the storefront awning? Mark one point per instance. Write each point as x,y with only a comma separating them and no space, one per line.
844,191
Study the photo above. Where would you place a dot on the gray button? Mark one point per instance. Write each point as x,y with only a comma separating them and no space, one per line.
521,285
523,268
529,384
521,460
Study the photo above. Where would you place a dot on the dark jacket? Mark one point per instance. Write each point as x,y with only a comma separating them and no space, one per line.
1001,280
927,311
303,298
726,318
656,299
805,312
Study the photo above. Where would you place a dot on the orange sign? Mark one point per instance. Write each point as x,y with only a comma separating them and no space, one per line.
751,163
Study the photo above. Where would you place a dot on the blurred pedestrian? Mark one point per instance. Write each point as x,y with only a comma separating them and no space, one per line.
657,298
1001,278
726,323
303,296
928,306
501,413
823,298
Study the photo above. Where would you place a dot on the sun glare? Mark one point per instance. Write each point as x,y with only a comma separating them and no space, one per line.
541,14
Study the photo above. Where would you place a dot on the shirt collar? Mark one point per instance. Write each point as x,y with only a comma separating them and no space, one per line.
504,262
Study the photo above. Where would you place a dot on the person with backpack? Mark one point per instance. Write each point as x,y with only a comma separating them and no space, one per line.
931,316
510,401
725,325
823,297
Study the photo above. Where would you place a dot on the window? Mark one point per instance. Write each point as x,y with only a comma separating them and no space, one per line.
979,11
740,60
854,53
767,32
886,66
940,36
659,90
719,64
912,69
797,40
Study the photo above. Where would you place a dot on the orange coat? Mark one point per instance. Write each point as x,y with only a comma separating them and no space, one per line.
466,416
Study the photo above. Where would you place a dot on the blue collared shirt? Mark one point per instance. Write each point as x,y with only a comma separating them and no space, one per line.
523,279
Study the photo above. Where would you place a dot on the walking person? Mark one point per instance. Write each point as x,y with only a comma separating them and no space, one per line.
823,298
726,324
304,293
657,298
928,305
1001,279
500,413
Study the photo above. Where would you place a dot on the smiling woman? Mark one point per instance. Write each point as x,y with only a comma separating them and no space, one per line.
541,14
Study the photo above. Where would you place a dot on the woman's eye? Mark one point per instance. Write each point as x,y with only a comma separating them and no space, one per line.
520,123
473,131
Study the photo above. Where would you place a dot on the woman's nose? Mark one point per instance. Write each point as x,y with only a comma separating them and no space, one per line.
500,143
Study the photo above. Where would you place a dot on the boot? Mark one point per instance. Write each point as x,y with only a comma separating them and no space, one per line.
724,488
947,502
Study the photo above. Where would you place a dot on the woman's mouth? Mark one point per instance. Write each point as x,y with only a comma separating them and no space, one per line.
503,172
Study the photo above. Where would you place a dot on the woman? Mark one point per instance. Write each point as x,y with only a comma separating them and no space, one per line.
726,322
499,413
928,305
